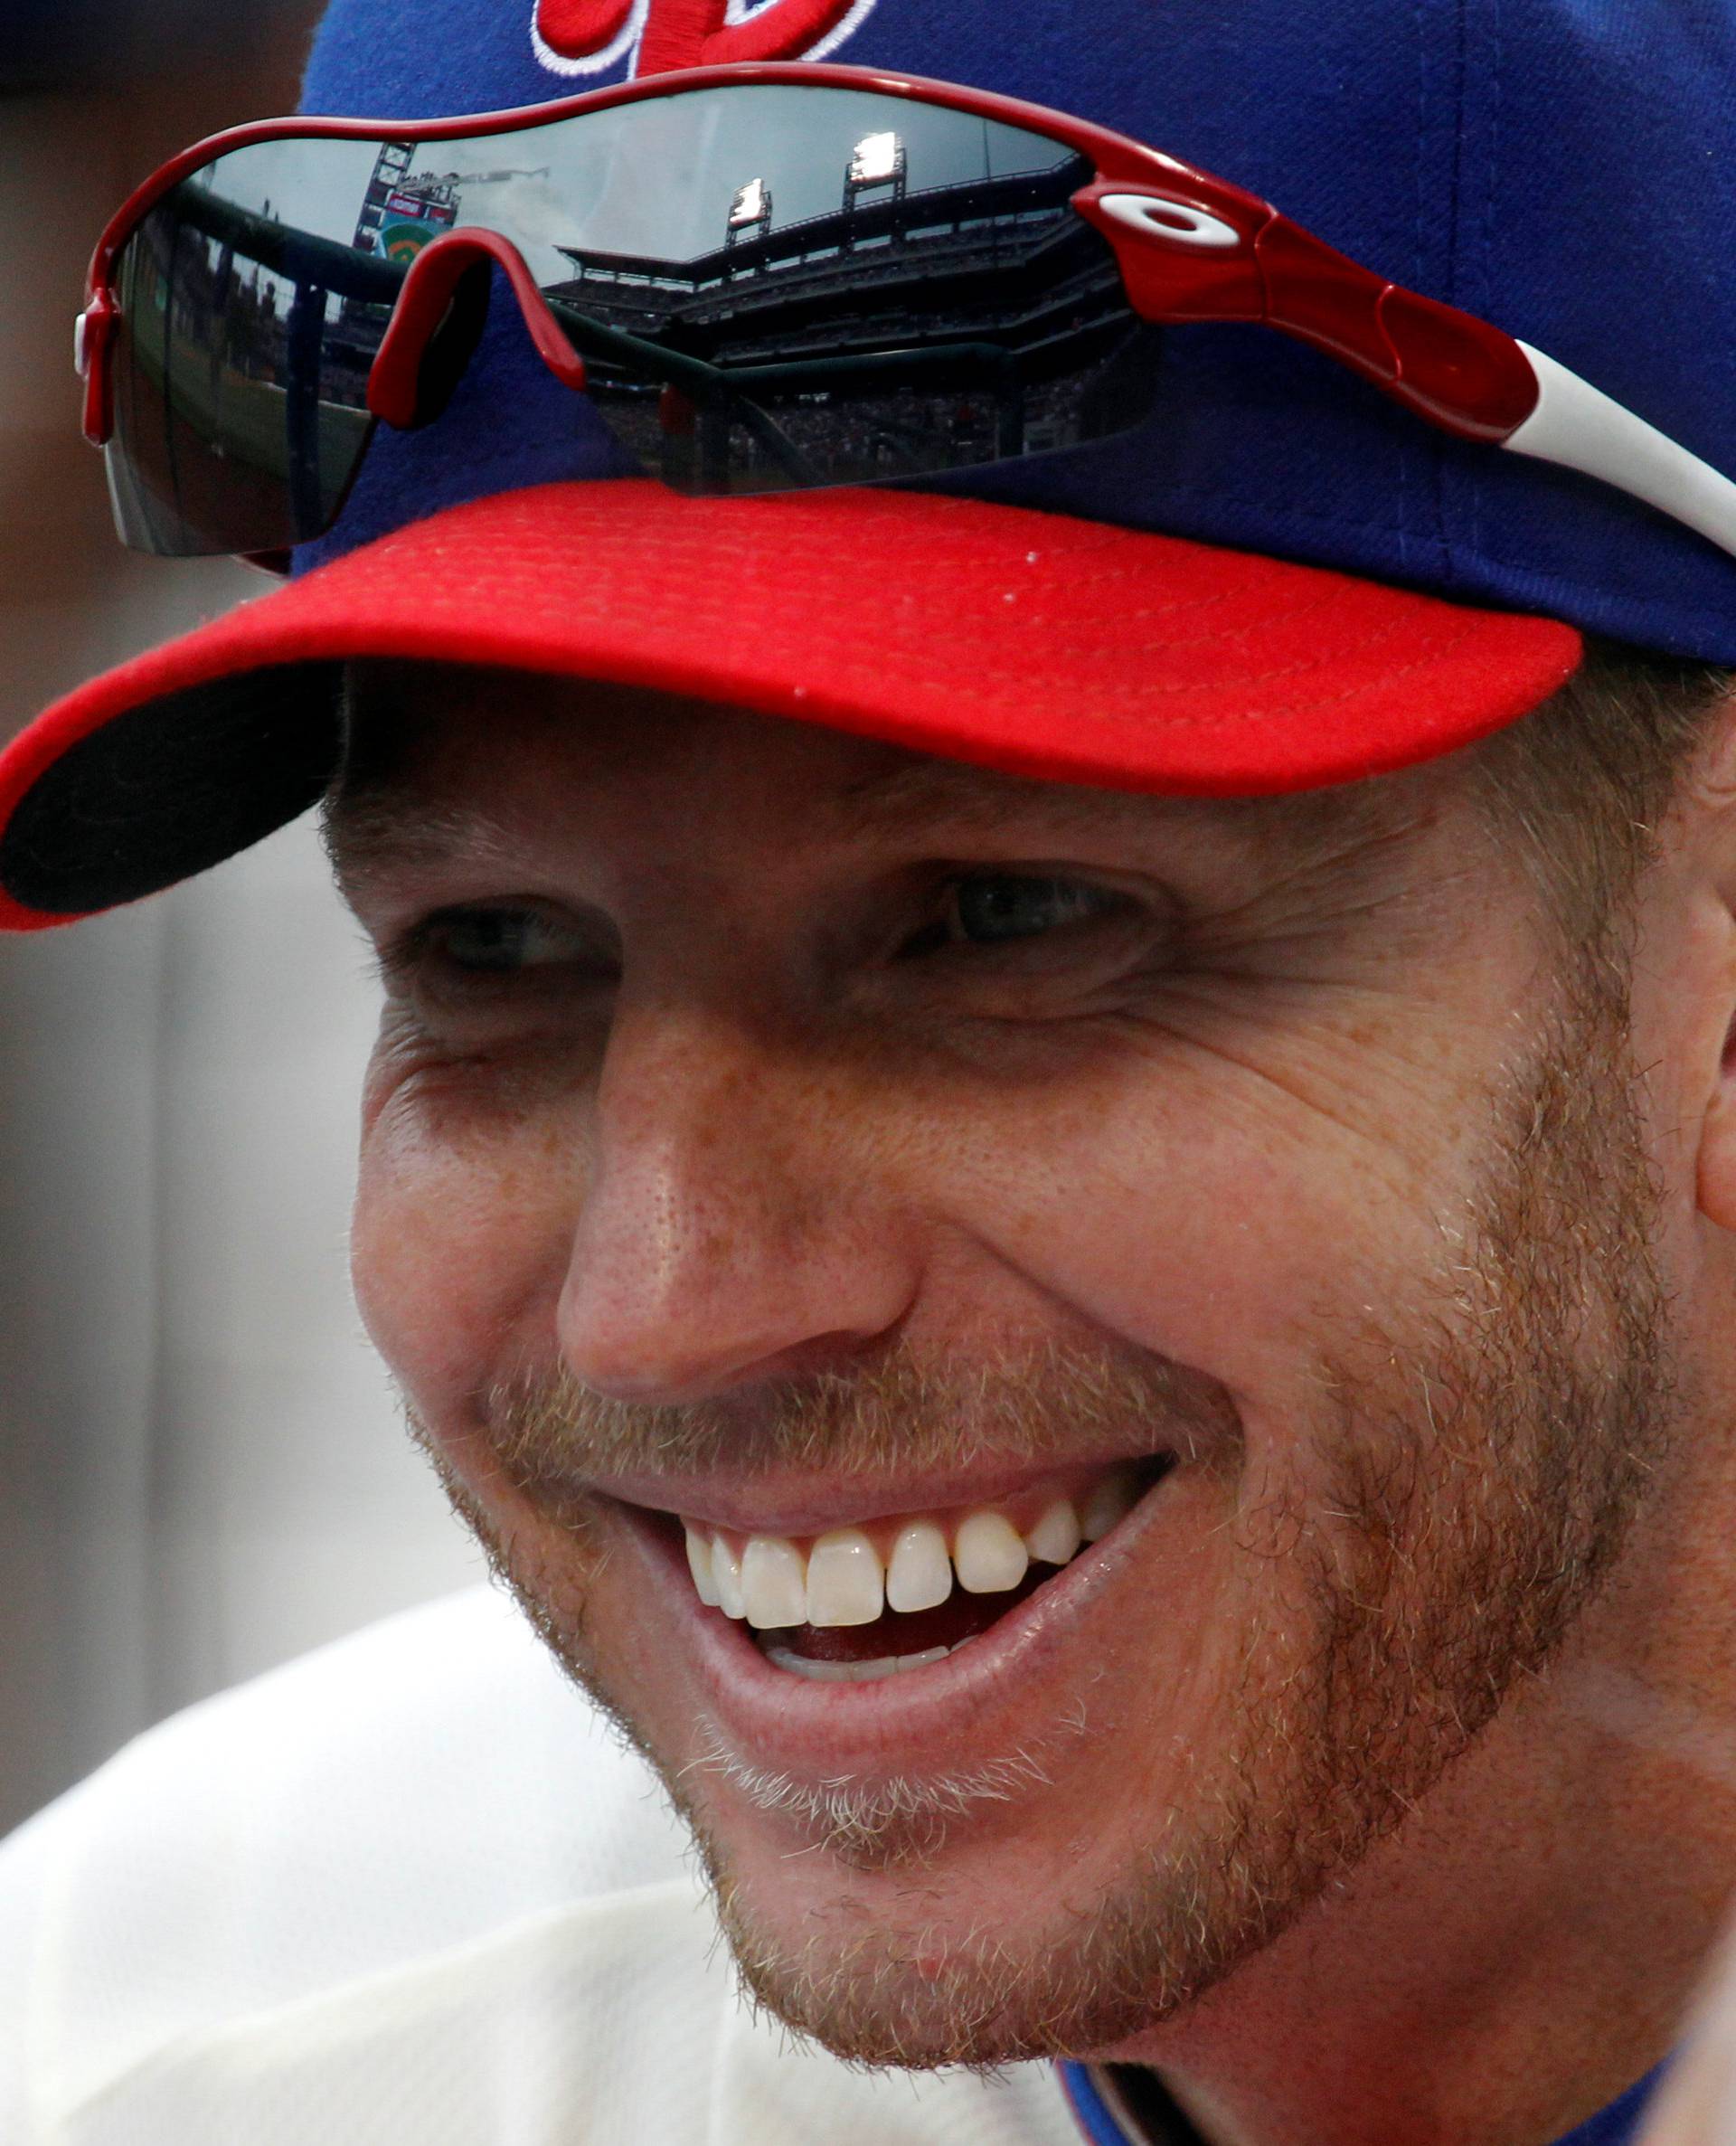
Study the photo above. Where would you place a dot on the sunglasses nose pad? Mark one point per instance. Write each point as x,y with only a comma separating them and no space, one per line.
439,320
453,344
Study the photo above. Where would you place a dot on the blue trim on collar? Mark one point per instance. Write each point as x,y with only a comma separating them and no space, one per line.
1615,2125
1087,2105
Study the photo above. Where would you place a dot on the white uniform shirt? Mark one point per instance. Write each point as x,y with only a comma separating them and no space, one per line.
409,1891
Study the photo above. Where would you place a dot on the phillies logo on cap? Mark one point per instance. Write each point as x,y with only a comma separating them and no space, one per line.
657,36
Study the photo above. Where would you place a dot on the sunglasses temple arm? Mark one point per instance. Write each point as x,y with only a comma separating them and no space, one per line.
1202,252
1578,427
1475,381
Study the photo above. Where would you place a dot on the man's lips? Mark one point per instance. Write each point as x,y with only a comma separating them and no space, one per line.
1032,1665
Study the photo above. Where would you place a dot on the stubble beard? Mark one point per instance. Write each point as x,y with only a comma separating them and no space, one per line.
1479,1462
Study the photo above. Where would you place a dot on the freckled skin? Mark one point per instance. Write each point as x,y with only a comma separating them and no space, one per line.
747,1122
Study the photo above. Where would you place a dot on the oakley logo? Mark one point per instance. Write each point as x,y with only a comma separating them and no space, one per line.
657,36
1178,220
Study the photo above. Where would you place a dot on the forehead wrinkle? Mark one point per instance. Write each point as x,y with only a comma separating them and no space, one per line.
934,796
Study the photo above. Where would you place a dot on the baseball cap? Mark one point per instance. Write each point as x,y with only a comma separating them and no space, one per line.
1280,581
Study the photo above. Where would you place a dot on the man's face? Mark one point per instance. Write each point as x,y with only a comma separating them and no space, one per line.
780,1132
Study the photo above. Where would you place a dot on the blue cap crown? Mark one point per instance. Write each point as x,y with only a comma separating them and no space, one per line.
1560,167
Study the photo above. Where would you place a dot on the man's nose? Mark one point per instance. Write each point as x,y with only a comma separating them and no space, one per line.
733,1226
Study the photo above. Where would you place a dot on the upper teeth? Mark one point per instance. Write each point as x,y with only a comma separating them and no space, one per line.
849,1574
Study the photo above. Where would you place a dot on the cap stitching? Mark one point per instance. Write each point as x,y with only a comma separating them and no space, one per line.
1065,554
915,628
1119,645
1227,718
915,636
1142,696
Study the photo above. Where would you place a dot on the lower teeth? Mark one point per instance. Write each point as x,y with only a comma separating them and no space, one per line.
857,1672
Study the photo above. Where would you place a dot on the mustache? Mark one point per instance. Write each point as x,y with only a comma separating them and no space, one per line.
898,1413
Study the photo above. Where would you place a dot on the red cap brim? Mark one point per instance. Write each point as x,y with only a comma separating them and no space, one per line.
1034,643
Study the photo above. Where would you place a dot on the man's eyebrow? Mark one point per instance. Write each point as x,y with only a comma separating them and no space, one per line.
376,829
371,833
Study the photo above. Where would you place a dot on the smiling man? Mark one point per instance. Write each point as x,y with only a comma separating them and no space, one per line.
850,1230
1051,1159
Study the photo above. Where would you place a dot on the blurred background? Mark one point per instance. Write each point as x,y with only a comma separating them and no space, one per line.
202,1468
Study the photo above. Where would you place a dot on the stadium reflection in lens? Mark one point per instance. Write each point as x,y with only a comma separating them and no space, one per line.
838,287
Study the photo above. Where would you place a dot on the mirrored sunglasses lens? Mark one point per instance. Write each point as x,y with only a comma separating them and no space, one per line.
777,286
773,285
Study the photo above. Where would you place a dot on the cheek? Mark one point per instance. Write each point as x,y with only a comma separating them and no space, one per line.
1213,1217
464,1219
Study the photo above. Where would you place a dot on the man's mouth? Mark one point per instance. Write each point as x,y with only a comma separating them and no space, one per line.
901,1592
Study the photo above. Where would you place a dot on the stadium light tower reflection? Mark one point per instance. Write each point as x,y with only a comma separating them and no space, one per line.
751,211
877,160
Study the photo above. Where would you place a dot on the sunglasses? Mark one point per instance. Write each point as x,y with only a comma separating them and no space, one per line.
759,278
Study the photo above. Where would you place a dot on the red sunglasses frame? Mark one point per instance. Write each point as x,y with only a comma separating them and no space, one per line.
1191,247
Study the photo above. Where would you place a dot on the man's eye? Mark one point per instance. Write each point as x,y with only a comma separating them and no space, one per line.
989,908
502,942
